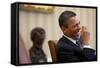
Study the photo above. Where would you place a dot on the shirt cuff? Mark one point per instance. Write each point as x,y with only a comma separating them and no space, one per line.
87,46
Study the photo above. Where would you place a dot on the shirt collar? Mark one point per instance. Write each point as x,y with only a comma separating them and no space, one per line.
74,41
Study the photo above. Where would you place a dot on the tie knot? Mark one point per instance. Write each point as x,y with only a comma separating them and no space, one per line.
78,42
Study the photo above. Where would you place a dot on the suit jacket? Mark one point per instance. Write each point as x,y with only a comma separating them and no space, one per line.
67,51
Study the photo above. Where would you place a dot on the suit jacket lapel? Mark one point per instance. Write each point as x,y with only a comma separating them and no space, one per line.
69,42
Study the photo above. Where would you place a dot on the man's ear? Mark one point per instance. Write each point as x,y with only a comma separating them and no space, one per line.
63,28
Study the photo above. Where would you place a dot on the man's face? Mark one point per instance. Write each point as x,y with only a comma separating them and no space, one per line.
73,28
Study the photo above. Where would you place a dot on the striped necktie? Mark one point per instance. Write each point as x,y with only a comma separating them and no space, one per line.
78,43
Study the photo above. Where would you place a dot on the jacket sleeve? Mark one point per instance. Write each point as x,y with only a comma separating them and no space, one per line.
89,53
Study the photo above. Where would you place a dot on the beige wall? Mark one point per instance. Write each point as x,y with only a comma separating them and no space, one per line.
30,19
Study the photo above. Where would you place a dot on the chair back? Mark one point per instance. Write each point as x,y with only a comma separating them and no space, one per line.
53,45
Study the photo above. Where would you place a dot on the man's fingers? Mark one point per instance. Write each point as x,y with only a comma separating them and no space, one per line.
84,28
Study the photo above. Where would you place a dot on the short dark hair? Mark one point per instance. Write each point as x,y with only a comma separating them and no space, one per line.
63,18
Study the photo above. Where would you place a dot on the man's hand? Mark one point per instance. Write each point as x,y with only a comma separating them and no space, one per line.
85,36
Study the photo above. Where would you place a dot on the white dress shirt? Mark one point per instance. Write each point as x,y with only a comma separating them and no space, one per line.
74,41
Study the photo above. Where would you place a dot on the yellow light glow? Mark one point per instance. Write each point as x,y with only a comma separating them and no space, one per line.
40,8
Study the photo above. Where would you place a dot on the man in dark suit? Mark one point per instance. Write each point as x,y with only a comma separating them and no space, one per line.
74,45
